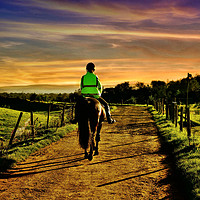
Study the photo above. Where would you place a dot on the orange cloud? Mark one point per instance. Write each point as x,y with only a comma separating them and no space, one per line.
110,71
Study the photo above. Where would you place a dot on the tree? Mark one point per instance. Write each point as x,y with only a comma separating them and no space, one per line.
142,92
33,97
123,92
159,89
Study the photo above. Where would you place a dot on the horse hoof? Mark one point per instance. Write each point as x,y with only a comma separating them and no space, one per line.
90,157
96,153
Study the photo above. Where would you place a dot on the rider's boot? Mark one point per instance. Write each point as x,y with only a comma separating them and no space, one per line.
108,115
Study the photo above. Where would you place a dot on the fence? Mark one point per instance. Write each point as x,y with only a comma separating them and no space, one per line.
61,120
177,114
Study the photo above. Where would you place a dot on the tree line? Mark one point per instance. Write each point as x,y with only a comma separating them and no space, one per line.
140,93
183,90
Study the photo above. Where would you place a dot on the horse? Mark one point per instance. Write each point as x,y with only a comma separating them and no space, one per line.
90,115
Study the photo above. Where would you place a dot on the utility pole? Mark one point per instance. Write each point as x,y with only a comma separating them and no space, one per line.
188,84
187,102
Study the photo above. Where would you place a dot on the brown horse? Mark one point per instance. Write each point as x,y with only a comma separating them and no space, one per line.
90,115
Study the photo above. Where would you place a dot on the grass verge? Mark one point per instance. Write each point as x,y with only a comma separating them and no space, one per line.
186,156
21,150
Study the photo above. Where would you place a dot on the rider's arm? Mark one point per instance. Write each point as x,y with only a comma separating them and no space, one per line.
81,85
99,86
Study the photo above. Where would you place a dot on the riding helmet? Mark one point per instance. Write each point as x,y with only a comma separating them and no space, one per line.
90,67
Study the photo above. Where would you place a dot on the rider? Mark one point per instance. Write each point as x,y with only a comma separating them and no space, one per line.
91,87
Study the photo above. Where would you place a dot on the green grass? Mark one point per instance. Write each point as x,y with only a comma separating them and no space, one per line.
9,117
24,144
186,156
21,150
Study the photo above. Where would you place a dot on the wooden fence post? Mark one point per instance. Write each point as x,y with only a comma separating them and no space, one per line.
173,113
163,106
48,116
186,114
181,119
72,112
15,129
176,115
154,104
63,116
188,123
32,125
167,111
158,107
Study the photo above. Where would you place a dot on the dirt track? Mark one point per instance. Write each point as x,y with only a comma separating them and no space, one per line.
130,166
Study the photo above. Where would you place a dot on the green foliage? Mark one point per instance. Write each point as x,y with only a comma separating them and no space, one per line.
132,100
159,89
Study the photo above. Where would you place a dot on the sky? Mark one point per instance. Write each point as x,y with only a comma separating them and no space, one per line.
51,41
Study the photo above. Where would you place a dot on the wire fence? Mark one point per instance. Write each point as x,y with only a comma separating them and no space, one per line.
182,116
33,126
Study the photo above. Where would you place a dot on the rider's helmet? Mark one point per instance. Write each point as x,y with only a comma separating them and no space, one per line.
90,67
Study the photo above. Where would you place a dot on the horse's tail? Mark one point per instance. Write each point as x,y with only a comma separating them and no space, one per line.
83,123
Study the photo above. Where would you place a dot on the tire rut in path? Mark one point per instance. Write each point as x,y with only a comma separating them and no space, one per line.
130,165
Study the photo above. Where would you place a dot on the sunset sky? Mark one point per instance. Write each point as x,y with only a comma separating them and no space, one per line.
51,41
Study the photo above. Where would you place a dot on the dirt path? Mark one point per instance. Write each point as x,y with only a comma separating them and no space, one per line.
130,166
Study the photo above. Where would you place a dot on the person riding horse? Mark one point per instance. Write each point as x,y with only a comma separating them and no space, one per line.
91,87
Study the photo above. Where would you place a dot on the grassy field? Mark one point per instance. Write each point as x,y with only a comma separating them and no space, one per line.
9,117
186,156
24,144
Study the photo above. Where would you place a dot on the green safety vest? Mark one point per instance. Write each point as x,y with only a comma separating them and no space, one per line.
90,85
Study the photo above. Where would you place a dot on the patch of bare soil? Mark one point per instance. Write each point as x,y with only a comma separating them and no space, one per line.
130,166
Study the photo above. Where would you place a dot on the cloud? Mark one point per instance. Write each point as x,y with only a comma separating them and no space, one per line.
9,44
157,11
100,12
51,41
110,71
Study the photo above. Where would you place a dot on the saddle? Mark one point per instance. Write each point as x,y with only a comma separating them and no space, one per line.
83,104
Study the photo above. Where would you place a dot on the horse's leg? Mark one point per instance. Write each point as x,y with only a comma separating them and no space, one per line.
98,139
90,157
86,154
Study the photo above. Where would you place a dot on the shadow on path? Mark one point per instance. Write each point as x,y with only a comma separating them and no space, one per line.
39,167
36,169
125,179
